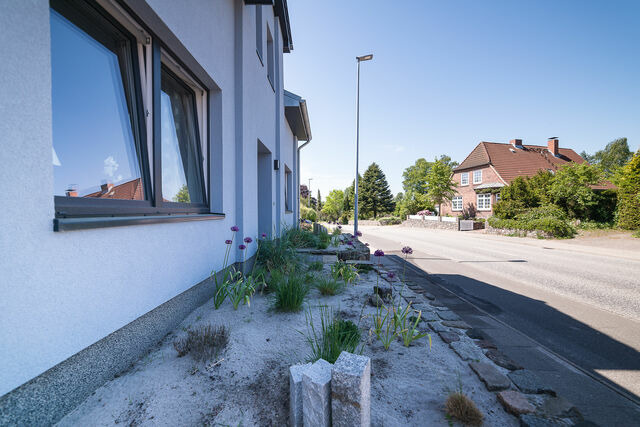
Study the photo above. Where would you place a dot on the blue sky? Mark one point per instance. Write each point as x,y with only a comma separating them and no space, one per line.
449,74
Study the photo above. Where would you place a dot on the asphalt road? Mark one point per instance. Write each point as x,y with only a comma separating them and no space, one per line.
579,299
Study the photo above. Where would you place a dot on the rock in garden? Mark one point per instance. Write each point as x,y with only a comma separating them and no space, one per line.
448,315
437,327
449,337
316,394
295,394
514,402
467,350
436,303
530,420
559,407
503,360
351,391
528,382
476,334
429,296
428,316
384,291
458,324
490,376
376,301
485,344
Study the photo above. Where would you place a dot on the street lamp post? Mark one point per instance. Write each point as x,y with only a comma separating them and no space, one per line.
359,59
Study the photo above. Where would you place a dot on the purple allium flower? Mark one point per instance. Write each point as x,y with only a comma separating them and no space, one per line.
242,247
359,233
378,252
349,242
339,227
228,241
391,275
263,235
366,244
407,250
248,240
235,228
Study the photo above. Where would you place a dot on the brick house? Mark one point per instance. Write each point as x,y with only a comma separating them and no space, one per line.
492,165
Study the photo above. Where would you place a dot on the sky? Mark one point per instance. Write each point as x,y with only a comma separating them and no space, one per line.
448,74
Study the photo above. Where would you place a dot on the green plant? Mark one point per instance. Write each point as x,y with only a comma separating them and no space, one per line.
277,254
387,331
289,293
409,332
548,218
329,286
334,336
636,234
390,220
340,270
315,266
299,238
240,289
221,281
629,194
324,239
202,343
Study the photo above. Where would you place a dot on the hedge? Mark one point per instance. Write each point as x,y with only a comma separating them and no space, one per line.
548,219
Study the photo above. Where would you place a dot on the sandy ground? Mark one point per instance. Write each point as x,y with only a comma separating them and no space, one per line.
248,385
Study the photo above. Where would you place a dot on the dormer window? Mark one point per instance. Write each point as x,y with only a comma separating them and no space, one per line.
477,177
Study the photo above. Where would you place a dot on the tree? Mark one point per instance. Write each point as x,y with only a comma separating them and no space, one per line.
319,201
440,186
629,194
411,203
182,196
571,188
610,159
333,205
376,194
414,178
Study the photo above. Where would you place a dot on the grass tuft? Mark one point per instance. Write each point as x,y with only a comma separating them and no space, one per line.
315,266
203,343
329,286
289,293
334,336
463,409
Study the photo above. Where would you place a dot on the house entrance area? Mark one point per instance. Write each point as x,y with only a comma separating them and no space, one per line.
265,203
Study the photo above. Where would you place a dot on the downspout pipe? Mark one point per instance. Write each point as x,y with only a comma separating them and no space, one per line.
307,128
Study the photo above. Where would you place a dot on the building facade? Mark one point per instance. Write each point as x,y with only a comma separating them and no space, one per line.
135,134
491,166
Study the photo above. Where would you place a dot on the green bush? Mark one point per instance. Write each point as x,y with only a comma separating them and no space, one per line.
289,293
333,337
629,194
549,219
277,254
308,213
299,238
390,220
329,286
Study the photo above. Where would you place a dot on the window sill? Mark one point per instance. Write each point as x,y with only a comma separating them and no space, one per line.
71,224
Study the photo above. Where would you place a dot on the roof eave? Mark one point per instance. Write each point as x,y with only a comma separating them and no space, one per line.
282,12
295,110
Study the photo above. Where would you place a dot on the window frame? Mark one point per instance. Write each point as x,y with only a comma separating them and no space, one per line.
479,173
485,200
147,124
270,59
462,176
288,190
453,203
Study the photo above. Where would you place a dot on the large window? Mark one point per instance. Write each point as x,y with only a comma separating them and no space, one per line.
484,202
477,177
288,189
456,203
464,178
130,124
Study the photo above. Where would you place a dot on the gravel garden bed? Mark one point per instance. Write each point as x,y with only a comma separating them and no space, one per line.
246,381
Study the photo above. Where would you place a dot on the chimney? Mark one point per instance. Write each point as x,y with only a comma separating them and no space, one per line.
72,192
517,143
106,187
553,145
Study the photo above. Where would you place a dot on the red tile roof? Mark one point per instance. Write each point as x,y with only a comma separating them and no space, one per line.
130,190
525,160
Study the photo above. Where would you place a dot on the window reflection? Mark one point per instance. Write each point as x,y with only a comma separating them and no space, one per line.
181,171
94,147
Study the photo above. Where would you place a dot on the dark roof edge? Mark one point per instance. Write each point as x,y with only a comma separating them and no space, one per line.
298,103
282,12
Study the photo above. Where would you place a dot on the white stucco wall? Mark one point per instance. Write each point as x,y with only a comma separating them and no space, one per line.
61,292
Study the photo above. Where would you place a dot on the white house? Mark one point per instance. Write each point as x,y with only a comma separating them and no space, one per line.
134,135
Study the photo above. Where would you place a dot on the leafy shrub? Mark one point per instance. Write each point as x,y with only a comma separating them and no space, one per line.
289,293
334,336
390,220
329,286
277,254
203,343
340,270
324,239
629,194
549,219
308,213
636,234
299,238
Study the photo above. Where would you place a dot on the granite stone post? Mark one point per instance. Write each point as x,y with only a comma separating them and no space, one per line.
351,391
295,394
316,394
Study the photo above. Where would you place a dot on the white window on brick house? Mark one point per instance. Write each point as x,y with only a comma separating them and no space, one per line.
497,197
464,178
456,203
484,202
477,177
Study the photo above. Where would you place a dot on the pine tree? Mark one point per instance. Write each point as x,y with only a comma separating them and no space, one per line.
376,198
319,203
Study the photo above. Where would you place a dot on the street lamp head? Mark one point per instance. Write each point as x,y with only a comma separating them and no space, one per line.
364,57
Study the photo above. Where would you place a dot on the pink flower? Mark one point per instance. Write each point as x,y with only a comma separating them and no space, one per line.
235,228
228,242
407,250
378,253
263,235
242,247
248,240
